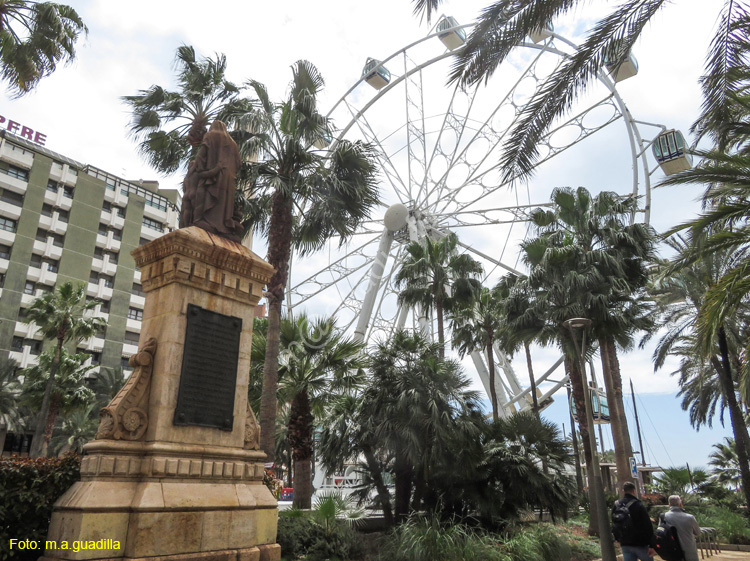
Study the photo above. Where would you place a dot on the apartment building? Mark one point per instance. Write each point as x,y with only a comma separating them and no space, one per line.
61,220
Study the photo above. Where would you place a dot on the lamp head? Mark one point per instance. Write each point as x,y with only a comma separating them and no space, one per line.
577,323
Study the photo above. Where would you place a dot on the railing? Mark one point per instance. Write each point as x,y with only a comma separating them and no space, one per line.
708,542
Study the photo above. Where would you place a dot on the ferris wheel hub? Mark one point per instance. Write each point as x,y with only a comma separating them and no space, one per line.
396,217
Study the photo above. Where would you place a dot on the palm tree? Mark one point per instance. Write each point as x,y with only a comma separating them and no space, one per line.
170,124
726,464
62,315
505,23
34,38
316,364
106,384
9,391
615,252
476,328
78,427
70,390
682,289
434,275
301,197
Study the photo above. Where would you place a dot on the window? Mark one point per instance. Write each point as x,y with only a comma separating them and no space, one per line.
11,197
120,211
101,333
36,346
52,186
102,231
18,173
29,288
116,234
98,253
153,224
109,282
47,210
94,277
17,344
58,240
135,313
110,183
41,235
4,251
23,313
138,289
106,207
96,357
112,257
36,261
125,363
142,241
131,338
62,215
2,280
105,306
68,192
7,224
53,266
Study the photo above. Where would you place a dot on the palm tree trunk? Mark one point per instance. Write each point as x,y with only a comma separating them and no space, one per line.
279,249
619,422
532,381
441,335
576,382
402,472
54,410
382,490
491,366
735,414
301,441
38,445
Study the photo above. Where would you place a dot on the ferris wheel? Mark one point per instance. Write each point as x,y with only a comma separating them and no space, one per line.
438,150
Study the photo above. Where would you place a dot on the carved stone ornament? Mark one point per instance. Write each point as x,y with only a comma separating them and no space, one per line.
125,417
252,430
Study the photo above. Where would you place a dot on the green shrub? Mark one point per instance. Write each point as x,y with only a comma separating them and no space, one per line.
543,542
299,534
732,525
28,490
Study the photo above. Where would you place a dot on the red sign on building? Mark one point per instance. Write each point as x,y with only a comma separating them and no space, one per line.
23,131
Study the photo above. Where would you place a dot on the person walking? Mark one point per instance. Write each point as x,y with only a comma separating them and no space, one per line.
687,528
632,527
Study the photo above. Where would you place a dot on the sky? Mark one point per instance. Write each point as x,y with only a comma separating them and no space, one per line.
131,45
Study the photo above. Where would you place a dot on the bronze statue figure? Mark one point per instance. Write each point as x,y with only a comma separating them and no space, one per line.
210,184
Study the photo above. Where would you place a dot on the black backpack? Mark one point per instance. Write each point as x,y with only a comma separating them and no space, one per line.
622,524
667,544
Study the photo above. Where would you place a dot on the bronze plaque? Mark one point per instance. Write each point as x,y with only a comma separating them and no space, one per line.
209,370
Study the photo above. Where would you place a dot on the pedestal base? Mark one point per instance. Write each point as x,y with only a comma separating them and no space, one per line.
261,553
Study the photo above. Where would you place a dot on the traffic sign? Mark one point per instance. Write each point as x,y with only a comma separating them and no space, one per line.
633,467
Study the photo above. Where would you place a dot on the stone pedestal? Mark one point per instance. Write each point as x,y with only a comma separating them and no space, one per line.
154,489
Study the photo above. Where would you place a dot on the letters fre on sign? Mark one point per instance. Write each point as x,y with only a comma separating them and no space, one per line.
209,370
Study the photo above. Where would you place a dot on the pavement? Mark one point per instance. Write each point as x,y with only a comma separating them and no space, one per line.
729,556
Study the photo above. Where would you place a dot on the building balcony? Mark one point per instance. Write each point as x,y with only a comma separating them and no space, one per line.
154,213
13,184
62,174
17,155
129,349
112,244
137,301
150,234
137,276
10,211
57,226
47,277
17,356
25,330
47,249
133,325
108,267
34,274
101,241
27,300
97,265
4,265
45,222
95,344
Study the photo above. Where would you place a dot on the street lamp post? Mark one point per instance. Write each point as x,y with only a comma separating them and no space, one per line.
595,478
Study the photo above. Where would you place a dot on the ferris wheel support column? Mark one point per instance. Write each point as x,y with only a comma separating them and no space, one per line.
376,276
484,376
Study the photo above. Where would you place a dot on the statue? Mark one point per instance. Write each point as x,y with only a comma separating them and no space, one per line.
210,184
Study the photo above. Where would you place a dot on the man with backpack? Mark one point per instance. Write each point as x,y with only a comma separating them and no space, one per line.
632,527
687,528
